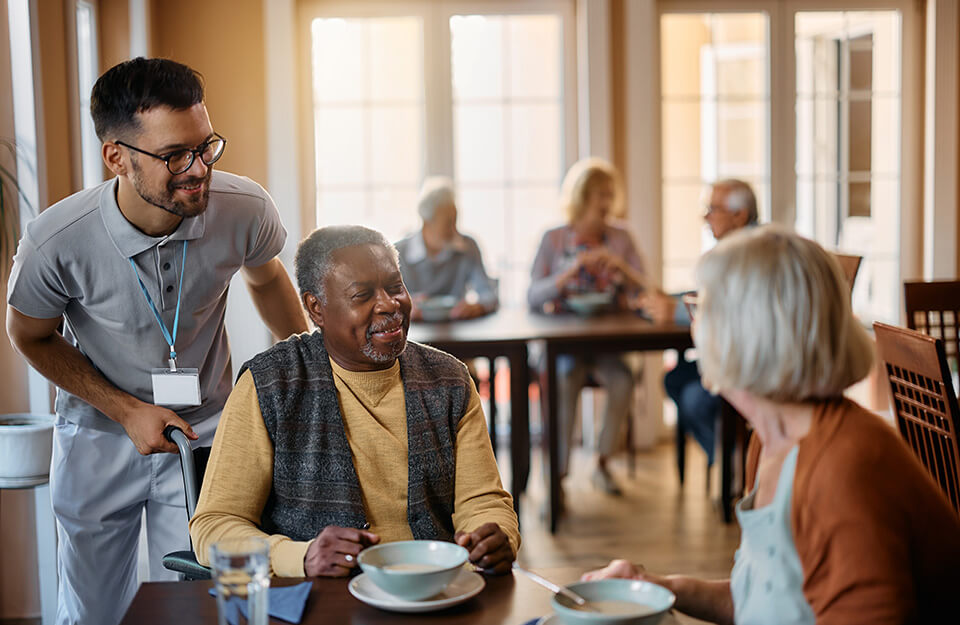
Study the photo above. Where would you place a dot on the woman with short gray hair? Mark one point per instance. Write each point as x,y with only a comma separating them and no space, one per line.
842,524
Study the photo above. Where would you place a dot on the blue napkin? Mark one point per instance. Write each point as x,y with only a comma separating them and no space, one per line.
286,603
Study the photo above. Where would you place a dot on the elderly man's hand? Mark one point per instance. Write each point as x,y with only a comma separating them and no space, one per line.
489,548
660,306
333,553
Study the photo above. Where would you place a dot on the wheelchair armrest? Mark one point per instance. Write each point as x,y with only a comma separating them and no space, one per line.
185,563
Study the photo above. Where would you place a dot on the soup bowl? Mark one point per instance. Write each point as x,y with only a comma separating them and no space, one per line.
413,569
615,602
592,303
437,308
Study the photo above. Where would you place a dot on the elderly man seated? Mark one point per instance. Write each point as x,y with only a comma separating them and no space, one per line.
439,261
351,435
731,206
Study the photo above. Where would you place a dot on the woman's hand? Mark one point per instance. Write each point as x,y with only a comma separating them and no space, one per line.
617,569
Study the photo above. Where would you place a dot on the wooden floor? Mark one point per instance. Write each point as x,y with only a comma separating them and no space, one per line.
666,528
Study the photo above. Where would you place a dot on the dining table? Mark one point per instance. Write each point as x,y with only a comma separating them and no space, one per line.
505,600
509,332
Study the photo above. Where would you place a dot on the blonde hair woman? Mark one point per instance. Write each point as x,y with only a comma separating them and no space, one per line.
842,524
589,254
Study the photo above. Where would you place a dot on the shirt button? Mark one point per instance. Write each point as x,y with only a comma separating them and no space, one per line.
769,586
170,289
771,550
166,266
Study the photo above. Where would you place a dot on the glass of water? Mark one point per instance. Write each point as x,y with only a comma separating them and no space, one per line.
241,573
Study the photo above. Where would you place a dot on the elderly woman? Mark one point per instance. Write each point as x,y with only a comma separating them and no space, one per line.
842,524
589,254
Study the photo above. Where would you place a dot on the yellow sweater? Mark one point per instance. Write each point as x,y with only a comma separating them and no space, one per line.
239,475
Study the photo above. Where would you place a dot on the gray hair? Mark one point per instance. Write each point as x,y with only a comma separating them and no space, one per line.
774,319
739,197
314,254
436,191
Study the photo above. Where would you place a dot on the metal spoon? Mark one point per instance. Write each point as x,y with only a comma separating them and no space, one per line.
560,590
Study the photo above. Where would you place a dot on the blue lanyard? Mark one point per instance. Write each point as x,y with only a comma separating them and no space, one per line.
170,338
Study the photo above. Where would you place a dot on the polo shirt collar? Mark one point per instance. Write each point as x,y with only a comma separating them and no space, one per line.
417,249
131,241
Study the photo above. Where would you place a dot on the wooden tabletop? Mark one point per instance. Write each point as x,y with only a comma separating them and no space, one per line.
516,326
506,600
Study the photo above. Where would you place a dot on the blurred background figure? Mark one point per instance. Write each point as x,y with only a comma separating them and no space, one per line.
442,268
731,205
589,255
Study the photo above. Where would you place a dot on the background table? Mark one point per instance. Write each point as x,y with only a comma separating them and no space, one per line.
507,332
506,600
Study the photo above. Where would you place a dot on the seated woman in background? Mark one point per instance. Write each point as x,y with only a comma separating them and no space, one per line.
843,524
587,255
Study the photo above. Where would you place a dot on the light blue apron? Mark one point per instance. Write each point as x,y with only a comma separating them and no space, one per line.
767,578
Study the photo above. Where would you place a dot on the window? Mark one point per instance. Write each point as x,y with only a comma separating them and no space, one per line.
494,112
848,146
715,101
87,64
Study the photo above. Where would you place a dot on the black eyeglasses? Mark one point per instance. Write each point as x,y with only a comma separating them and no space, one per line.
180,161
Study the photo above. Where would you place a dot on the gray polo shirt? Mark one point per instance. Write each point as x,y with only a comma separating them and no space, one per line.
73,261
454,271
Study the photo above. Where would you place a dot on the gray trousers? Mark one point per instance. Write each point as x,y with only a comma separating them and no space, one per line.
616,377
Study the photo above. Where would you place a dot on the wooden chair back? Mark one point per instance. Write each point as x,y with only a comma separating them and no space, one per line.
850,264
934,308
923,400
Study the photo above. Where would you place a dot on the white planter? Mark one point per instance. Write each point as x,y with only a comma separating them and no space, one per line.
26,444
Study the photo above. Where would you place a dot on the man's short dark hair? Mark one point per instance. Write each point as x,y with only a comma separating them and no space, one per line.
139,85
313,260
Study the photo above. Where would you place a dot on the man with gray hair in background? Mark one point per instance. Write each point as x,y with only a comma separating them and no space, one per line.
731,205
349,436
439,262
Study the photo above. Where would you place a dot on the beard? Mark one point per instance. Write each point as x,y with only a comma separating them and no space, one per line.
165,199
395,349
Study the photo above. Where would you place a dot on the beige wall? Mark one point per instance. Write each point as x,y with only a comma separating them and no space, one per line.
223,39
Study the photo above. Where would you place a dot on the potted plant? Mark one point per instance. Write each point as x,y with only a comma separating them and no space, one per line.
25,440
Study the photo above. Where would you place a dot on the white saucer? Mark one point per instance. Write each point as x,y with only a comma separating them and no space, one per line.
464,586
550,619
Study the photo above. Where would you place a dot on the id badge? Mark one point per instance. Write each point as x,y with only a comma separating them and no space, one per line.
176,388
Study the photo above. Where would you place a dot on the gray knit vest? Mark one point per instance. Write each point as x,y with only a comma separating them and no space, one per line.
314,481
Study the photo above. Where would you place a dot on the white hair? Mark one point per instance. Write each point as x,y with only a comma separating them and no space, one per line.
436,191
739,197
774,318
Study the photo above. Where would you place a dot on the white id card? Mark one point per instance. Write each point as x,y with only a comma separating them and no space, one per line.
176,388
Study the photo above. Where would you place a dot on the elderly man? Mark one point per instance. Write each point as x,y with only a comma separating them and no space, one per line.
732,205
350,436
440,261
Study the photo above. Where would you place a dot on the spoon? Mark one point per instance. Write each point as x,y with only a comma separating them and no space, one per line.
560,590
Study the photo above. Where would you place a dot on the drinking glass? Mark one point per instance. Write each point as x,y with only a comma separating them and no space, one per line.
241,571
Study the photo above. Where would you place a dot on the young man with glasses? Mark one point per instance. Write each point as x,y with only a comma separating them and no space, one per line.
137,271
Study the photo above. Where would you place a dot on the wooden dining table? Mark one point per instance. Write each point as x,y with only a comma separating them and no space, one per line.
505,600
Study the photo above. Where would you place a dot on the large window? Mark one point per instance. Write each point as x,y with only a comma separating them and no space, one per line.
715,99
87,72
490,106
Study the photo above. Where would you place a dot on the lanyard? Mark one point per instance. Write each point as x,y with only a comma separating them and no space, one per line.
170,338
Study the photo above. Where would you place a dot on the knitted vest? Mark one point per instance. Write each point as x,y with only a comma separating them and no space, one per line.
314,480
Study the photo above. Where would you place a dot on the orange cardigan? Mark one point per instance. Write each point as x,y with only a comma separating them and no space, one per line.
878,542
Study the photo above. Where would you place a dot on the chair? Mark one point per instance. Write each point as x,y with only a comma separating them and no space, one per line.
934,309
924,402
850,264
193,462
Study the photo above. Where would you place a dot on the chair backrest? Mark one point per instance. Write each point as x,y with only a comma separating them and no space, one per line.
924,402
193,463
934,308
850,264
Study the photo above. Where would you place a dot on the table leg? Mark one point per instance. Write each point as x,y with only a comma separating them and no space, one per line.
519,423
552,439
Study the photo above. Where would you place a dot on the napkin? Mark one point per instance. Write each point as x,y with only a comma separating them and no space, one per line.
286,603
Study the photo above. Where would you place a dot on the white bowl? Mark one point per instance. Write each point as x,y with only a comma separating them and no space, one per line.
587,304
413,569
437,308
26,444
652,601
